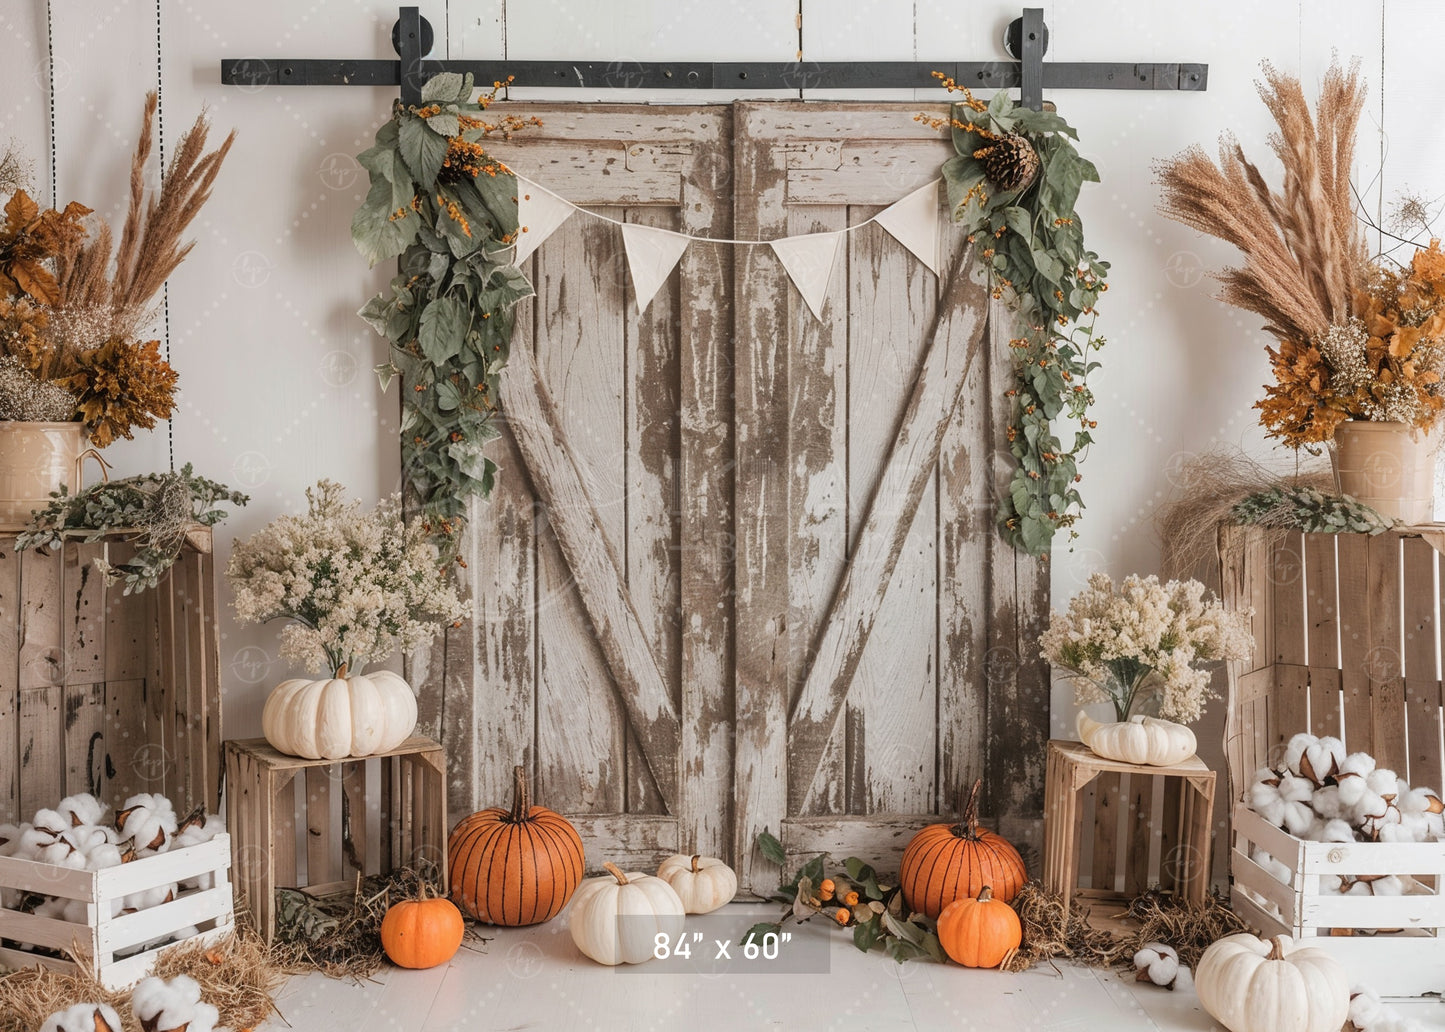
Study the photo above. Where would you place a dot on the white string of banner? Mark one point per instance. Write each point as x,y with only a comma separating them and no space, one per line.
808,259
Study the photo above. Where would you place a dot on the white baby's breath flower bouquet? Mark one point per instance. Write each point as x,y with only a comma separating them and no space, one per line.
355,586
1143,640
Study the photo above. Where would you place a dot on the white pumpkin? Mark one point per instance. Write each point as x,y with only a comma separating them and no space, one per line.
1159,743
703,883
646,905
1270,985
355,715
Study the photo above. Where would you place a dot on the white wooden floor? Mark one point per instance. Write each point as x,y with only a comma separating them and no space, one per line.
534,978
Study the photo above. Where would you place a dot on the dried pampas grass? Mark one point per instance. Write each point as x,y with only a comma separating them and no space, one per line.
1304,251
1207,490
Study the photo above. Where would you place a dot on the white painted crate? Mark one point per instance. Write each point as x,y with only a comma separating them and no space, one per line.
104,939
1410,962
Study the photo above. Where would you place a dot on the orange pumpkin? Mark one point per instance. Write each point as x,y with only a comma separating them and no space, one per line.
514,867
423,932
945,862
979,933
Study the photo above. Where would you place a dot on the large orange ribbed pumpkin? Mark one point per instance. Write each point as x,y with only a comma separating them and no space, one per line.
945,862
514,867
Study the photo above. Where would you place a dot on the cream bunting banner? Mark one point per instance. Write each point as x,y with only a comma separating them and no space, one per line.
808,260
809,263
540,213
651,256
913,222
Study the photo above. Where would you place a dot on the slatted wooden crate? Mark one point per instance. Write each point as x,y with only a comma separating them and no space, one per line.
114,943
1167,848
1347,639
104,692
319,825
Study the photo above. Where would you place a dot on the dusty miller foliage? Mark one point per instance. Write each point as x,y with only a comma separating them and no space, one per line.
157,508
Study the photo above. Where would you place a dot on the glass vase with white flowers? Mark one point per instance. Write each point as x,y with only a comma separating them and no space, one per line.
355,586
1140,642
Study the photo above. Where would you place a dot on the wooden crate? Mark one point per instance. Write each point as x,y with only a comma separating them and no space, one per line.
1347,631
109,942
1407,962
1169,849
323,829
104,692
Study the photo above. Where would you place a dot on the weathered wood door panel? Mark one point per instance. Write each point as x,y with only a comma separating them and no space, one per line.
740,571
872,590
585,561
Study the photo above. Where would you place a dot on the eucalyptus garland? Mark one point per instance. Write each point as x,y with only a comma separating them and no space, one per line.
448,210
157,509
1013,183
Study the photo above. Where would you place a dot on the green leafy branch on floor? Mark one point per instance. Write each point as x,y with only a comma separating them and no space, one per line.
859,900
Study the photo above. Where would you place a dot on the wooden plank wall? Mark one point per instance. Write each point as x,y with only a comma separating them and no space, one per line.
1347,644
103,692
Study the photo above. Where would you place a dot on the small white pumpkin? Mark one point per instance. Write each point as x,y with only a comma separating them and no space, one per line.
1140,739
356,715
1269,985
703,883
645,904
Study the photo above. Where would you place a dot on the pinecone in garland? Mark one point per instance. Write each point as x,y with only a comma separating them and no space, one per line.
1010,162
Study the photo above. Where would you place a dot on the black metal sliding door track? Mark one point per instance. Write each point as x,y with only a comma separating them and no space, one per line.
1027,39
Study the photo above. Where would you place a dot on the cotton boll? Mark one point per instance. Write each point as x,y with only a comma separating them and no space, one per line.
147,898
61,854
102,856
1296,794
1368,1013
194,834
1411,828
165,1006
31,841
1331,884
1264,796
1327,804
148,819
51,821
52,907
87,837
1351,777
82,808
1295,749
1273,867
1332,830
10,837
1322,759
1156,962
84,1017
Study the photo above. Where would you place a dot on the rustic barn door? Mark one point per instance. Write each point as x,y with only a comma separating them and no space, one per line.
740,571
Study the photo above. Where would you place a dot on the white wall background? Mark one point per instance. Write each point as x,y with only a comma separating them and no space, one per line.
275,368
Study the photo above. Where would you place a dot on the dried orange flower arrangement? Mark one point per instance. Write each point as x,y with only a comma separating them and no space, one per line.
1356,338
71,314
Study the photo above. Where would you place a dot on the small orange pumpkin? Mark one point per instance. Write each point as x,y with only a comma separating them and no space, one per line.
945,862
514,867
979,933
422,932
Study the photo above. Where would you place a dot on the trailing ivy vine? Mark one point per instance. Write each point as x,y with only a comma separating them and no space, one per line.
1013,182
448,209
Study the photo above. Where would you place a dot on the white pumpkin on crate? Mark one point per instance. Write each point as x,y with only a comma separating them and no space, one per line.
647,907
340,716
1140,739
703,883
1250,984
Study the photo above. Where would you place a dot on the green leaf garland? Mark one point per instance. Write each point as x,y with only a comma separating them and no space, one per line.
1030,241
448,210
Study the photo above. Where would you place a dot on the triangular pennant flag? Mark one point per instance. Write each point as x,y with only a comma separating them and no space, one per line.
651,255
539,214
809,262
913,222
